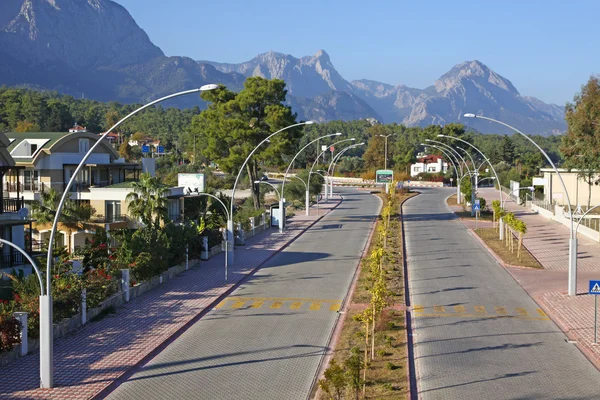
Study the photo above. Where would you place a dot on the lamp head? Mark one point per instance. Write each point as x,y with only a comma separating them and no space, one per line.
353,139
309,122
428,140
338,133
470,115
211,86
256,181
360,144
440,135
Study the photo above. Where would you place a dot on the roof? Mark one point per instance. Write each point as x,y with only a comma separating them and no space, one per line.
51,137
431,157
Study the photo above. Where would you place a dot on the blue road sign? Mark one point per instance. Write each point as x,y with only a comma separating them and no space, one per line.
594,287
161,149
477,205
145,149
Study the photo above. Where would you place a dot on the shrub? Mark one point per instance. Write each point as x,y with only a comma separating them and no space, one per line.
10,328
390,366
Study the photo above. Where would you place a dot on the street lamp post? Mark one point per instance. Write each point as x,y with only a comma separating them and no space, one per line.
228,218
457,155
386,152
281,220
503,202
230,221
307,194
270,184
455,162
317,159
334,161
572,280
46,327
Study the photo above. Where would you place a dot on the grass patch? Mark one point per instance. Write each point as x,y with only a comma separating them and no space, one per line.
387,374
490,237
484,215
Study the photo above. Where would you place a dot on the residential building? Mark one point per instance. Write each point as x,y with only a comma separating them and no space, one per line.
14,221
429,163
577,188
78,129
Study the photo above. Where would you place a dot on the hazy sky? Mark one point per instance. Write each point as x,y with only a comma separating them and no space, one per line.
547,48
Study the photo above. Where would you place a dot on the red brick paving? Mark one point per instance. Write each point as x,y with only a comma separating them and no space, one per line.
90,359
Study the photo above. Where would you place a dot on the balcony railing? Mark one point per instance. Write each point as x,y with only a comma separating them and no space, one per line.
108,219
11,205
35,187
12,260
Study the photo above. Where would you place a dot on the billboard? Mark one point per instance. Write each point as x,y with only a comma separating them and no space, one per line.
191,183
384,176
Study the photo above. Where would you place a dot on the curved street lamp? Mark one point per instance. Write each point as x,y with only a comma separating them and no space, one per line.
230,221
270,184
335,160
46,329
386,152
317,159
455,162
572,280
281,219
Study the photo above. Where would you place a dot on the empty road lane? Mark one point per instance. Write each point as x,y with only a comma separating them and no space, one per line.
266,340
477,334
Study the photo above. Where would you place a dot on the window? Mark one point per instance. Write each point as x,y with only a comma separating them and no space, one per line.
34,148
31,180
431,169
417,169
84,145
113,211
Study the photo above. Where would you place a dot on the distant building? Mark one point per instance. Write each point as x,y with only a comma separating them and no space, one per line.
429,163
112,137
78,129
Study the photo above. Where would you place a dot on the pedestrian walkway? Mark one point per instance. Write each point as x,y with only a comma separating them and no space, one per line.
92,358
548,242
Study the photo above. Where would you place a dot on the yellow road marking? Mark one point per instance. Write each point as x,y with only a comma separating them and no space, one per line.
296,305
277,304
335,307
480,309
238,304
257,304
501,311
522,311
486,316
283,299
315,306
221,304
439,309
541,312
418,308
460,309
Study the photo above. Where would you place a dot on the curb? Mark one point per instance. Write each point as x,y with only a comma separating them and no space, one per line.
175,335
341,317
412,382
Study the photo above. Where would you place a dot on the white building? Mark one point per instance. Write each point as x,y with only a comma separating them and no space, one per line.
430,163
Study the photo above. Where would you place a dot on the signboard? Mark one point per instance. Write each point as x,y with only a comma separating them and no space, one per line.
332,149
384,176
191,183
477,205
161,149
594,288
539,182
323,147
145,149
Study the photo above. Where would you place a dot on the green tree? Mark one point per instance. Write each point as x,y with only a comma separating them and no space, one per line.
235,123
335,380
26,126
507,150
581,144
125,151
148,201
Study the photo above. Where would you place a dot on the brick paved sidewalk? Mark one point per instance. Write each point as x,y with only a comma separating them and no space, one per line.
547,241
90,359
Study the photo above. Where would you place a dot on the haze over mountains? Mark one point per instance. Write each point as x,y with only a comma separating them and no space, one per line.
95,48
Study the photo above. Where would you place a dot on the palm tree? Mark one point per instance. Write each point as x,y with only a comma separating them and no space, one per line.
148,200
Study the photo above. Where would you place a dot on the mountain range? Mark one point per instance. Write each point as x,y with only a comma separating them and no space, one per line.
94,48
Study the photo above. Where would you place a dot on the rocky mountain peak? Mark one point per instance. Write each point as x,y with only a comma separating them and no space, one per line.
474,71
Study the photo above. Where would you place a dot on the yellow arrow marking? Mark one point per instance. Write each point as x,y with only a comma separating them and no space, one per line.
277,304
296,305
257,304
315,306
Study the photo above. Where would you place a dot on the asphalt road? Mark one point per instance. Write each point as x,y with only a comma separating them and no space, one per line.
267,339
478,335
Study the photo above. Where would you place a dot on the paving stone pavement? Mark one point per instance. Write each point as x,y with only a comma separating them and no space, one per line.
90,359
547,241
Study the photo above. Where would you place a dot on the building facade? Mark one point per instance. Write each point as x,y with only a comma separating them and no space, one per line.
432,164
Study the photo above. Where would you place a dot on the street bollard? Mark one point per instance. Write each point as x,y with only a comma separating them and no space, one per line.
252,225
83,306
22,318
125,283
187,257
205,249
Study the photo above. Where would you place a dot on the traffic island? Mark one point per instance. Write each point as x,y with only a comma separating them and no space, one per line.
373,368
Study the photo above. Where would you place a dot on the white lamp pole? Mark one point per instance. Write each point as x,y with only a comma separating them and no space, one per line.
307,194
228,218
456,154
230,222
281,205
572,281
454,161
46,326
334,161
270,184
386,152
317,159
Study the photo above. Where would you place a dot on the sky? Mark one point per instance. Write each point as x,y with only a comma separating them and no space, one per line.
547,48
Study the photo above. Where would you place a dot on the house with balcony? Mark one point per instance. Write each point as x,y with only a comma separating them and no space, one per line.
15,226
432,164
